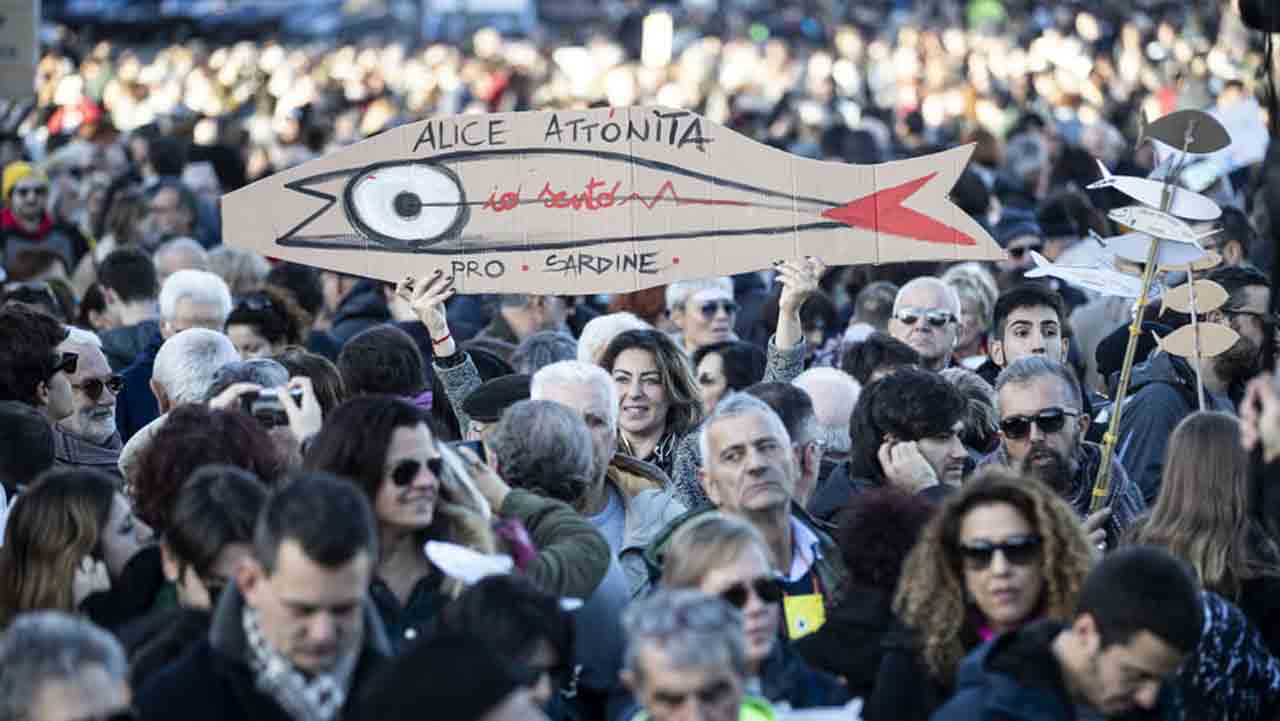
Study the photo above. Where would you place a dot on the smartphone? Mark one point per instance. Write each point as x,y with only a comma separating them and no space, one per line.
264,405
477,447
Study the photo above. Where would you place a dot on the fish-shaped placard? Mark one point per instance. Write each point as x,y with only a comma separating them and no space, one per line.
1212,259
1183,203
1136,247
1204,131
1099,279
587,201
1161,225
1209,296
1215,338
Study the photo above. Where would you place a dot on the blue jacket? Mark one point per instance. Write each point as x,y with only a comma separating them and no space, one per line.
986,693
136,405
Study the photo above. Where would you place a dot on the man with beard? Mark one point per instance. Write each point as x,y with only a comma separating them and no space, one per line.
1164,388
1042,433
88,437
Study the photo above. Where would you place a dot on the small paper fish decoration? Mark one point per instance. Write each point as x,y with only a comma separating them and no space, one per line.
1215,338
1183,203
1154,222
1136,247
1209,296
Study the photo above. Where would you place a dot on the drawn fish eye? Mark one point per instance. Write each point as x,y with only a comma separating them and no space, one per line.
405,204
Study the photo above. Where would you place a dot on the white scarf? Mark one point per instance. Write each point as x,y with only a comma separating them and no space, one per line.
318,699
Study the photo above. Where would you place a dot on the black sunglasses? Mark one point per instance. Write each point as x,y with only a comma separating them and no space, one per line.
766,588
711,307
37,190
1050,420
407,470
93,387
936,318
1018,551
65,362
1017,253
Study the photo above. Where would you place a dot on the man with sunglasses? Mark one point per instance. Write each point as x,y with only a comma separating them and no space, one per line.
25,221
88,437
32,369
687,659
1138,617
926,317
56,667
1163,390
1042,434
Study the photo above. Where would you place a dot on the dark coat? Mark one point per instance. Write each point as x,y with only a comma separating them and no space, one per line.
850,478
213,681
362,308
136,406
123,346
1015,677
157,640
786,678
132,596
905,689
849,644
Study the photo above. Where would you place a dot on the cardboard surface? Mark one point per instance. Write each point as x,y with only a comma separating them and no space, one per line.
1215,338
19,22
1208,296
593,201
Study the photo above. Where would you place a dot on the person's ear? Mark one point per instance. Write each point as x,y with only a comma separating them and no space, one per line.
1085,421
1232,253
42,393
709,487
1066,346
997,352
162,399
249,576
169,563
630,682
110,297
1085,631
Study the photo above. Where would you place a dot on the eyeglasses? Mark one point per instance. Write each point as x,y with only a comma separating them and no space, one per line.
711,307
936,318
93,387
65,362
1017,253
405,471
39,190
1050,420
766,588
1018,550
123,714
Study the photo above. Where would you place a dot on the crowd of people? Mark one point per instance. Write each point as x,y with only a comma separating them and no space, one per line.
240,488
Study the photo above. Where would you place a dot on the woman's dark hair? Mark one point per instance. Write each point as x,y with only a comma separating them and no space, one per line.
512,615
94,301
876,531
302,282
354,440
817,310
685,412
382,360
193,436
879,351
325,379
744,363
272,313
216,507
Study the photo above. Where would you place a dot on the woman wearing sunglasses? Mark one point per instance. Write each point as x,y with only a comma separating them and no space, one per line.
265,322
725,556
384,445
999,553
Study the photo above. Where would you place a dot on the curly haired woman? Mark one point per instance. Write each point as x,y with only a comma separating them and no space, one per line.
999,553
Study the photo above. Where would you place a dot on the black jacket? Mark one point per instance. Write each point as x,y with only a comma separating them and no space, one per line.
849,644
1016,677
1162,392
905,689
213,681
154,642
850,478
362,308
123,346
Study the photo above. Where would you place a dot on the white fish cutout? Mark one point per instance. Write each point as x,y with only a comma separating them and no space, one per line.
1209,296
1097,278
465,564
1135,247
1184,203
1161,225
1215,338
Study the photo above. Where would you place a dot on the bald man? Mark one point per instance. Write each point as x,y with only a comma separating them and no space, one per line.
926,316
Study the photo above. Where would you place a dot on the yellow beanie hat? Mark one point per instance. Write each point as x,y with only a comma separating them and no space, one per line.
15,172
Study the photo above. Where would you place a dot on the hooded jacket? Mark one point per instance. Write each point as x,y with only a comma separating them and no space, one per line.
649,507
1016,677
214,682
1162,392
123,346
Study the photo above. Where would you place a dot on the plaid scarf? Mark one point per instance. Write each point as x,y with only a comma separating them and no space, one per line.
317,699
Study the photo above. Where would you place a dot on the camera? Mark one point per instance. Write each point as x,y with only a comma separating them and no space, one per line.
265,406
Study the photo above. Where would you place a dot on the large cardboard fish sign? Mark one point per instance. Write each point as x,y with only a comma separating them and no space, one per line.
587,201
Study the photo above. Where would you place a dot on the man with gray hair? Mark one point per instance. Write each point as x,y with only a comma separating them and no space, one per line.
542,349
834,394
626,499
926,316
687,659
55,667
750,468
519,316
181,253
1042,429
184,372
188,299
88,437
